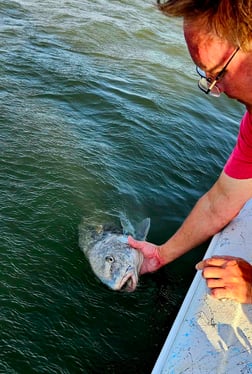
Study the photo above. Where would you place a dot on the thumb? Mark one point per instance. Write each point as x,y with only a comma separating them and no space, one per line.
200,265
135,243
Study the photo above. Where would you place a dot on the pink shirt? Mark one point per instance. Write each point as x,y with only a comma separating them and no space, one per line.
239,164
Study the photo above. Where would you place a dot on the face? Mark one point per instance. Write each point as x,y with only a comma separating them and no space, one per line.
115,263
211,54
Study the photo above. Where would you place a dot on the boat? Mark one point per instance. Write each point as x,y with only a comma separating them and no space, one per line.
210,335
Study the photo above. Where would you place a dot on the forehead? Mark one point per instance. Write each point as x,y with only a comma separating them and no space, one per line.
207,50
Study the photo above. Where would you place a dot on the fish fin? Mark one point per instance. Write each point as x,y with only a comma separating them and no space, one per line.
142,229
84,237
88,234
128,229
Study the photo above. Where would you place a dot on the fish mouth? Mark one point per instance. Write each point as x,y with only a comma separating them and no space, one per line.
129,282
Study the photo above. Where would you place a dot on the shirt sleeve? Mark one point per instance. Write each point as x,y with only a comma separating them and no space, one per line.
239,164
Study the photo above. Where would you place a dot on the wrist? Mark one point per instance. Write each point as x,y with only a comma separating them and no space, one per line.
162,254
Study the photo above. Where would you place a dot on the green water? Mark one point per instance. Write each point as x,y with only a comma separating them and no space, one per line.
100,115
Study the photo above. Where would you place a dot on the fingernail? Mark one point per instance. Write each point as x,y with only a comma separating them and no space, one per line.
198,265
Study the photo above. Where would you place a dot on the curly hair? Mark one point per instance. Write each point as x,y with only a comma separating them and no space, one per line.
229,19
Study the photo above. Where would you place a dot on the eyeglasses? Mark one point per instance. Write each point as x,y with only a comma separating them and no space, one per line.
208,85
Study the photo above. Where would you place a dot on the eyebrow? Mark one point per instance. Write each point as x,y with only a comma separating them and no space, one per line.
216,68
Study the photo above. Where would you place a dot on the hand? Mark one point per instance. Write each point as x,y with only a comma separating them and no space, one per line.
228,278
152,260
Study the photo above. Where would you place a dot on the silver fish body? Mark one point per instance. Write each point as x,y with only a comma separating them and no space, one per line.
113,261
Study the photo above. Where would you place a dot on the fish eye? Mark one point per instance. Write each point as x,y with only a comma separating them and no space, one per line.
109,259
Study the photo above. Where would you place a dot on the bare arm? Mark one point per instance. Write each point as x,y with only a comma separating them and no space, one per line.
226,276
211,213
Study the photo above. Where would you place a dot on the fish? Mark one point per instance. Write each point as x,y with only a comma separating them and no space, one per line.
112,260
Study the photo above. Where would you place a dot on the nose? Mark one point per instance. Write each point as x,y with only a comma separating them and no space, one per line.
219,86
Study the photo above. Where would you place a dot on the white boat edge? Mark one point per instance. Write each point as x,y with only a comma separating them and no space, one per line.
194,333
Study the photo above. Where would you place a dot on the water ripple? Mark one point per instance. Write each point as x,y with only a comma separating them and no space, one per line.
100,114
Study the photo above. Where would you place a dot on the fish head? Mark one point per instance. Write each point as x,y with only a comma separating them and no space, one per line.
115,263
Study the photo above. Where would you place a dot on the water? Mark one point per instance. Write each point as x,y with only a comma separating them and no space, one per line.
100,115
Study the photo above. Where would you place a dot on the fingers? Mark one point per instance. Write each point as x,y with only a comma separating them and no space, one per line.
220,261
147,249
213,261
215,283
228,277
151,252
214,269
223,293
135,243
212,272
131,241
